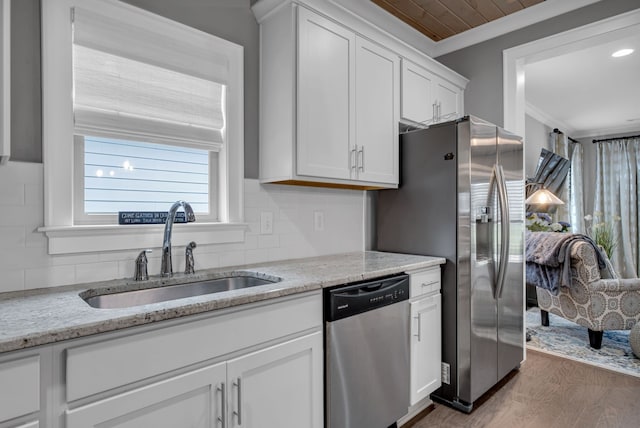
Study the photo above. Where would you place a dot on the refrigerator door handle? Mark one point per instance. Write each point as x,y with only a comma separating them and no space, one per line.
493,185
503,201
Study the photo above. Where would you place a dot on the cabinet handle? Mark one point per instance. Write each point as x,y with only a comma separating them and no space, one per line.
353,159
238,413
428,284
434,115
361,154
419,332
439,110
223,400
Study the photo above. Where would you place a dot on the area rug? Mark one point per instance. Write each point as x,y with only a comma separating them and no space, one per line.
567,339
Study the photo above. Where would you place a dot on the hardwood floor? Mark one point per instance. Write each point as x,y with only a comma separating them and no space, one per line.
550,392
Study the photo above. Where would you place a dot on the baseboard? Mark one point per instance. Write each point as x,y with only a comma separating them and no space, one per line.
416,413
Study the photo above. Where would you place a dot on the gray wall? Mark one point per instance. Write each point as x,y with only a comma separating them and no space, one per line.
536,138
482,63
26,100
229,19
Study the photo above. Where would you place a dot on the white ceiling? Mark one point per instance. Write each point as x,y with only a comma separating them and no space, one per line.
586,92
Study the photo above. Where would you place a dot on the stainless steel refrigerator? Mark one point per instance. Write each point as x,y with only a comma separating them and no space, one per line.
461,197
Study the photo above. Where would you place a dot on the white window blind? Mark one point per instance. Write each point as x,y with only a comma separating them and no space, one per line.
166,87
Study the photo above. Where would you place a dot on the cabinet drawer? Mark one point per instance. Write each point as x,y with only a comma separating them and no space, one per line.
19,387
117,362
424,282
187,400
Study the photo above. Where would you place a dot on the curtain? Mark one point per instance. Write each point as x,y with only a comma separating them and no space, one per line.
576,190
571,191
616,199
559,143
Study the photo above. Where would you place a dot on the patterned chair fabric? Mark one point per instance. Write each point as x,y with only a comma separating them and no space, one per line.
593,301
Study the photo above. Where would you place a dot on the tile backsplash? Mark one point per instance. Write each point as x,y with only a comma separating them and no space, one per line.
25,263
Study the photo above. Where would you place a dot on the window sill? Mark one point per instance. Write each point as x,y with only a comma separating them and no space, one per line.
94,238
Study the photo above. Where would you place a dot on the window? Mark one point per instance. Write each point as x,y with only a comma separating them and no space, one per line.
156,115
122,175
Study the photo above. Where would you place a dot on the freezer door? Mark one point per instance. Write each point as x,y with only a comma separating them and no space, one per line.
478,243
511,298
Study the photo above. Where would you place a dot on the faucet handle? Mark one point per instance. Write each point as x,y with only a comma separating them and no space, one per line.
189,263
141,273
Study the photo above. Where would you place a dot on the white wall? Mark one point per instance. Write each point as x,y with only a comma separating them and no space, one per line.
25,264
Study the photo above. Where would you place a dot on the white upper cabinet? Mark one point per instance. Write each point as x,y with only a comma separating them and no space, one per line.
331,94
417,94
348,102
326,90
377,114
428,98
329,103
448,100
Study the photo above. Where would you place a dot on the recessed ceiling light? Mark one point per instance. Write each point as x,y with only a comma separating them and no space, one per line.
622,52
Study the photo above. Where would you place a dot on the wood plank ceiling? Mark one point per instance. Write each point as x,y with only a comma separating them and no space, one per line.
439,19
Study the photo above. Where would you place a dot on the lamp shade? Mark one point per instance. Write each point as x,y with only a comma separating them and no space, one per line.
543,197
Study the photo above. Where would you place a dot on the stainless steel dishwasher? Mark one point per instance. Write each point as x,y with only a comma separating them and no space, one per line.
367,353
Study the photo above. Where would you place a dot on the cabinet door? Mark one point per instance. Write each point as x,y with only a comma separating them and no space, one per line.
377,105
19,387
326,54
418,94
449,101
280,386
426,345
188,400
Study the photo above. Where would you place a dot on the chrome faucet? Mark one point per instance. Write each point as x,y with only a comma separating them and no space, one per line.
166,268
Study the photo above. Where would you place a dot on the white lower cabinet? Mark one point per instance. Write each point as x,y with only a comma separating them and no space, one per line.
20,391
249,367
426,355
426,333
188,400
33,424
280,386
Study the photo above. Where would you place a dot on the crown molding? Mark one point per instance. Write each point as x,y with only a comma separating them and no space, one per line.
531,15
607,132
542,117
379,17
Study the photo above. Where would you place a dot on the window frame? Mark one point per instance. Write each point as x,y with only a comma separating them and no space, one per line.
63,230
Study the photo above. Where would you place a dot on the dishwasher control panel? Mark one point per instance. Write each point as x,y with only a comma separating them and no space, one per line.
352,299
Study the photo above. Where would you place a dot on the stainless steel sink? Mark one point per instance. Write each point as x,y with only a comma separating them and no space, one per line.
129,298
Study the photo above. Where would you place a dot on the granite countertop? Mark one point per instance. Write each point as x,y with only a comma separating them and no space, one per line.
42,316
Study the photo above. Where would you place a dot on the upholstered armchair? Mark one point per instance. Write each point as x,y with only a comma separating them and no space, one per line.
592,301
